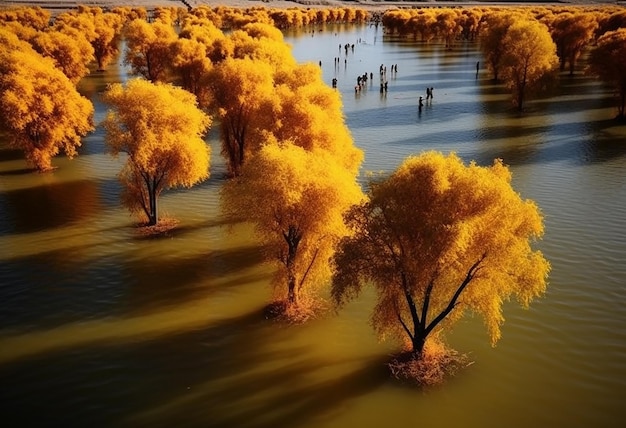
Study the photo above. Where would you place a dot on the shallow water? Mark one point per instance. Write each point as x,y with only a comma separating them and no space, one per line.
102,328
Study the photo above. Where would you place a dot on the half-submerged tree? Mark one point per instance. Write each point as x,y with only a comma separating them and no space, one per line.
161,130
492,39
295,198
438,240
39,106
607,60
529,59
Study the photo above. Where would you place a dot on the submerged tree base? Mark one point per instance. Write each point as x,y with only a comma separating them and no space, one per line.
305,310
162,228
436,364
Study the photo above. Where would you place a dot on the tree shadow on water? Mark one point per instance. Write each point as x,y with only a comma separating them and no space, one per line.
242,371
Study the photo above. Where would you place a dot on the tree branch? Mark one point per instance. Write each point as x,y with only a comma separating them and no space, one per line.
470,275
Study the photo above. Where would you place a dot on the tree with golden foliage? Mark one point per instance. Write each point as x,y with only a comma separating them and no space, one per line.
218,47
108,28
492,39
39,106
29,16
148,49
607,60
161,130
309,113
447,25
242,91
295,198
438,240
529,58
69,50
572,32
191,67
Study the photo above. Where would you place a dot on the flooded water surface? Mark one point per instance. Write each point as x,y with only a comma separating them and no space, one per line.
99,327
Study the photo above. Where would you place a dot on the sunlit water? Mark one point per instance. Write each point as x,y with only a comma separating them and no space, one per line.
100,327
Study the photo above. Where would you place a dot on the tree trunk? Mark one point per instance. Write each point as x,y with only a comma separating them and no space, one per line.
292,237
153,218
417,346
292,297
520,97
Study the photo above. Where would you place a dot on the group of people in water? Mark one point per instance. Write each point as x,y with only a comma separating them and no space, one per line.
362,80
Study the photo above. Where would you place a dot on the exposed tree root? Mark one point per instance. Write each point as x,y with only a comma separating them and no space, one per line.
162,228
305,310
436,364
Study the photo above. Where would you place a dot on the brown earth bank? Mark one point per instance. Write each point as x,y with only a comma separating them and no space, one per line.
63,5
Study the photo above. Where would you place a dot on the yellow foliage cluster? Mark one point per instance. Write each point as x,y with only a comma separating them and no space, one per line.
161,130
438,239
39,106
608,60
571,27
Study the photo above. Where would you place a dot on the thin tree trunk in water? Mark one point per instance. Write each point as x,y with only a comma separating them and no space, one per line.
292,237
292,297
418,343
152,219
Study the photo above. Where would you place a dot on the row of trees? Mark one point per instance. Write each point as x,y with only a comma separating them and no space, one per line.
525,46
437,239
452,24
424,237
188,57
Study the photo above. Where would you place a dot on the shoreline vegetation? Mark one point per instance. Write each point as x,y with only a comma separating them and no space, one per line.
60,6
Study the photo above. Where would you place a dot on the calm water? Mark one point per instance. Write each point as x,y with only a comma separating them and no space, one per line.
99,327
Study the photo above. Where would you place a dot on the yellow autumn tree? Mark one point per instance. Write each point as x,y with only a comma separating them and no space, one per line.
242,92
161,130
191,66
70,51
529,58
148,49
438,240
295,198
263,43
572,32
108,28
447,25
218,47
607,60
492,39
40,108
309,113
30,16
